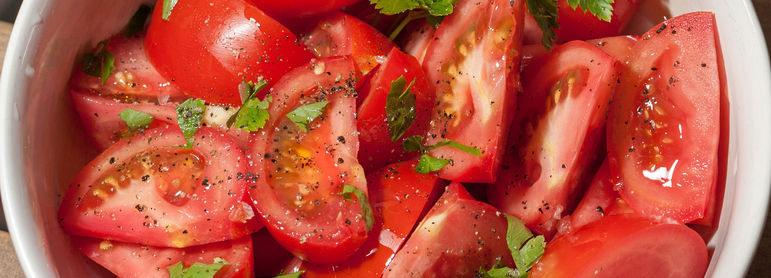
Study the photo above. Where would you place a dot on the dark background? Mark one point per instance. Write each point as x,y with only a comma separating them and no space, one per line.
761,264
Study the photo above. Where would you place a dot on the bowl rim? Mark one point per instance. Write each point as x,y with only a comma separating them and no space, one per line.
34,258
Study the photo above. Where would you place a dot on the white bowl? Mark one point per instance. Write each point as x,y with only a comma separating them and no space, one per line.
43,146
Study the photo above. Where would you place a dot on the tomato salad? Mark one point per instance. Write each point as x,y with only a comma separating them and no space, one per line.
398,138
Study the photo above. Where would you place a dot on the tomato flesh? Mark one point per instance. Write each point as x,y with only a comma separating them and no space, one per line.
232,41
475,98
664,123
556,134
300,8
625,246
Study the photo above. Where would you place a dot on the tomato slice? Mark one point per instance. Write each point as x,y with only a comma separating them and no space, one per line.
625,246
143,190
377,149
620,47
595,204
417,39
339,34
134,260
133,77
399,197
300,175
664,124
474,101
300,8
457,237
230,41
556,134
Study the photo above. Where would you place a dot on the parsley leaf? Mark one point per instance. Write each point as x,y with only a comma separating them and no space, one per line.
99,63
545,14
137,22
291,275
253,114
427,164
168,5
197,270
400,108
302,116
433,10
135,120
189,117
602,9
366,209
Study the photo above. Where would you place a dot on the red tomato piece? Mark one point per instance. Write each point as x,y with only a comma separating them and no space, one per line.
556,134
209,46
377,149
300,174
418,37
133,77
399,197
269,257
339,34
625,246
134,260
143,190
457,237
594,205
300,8
579,25
620,47
664,123
475,99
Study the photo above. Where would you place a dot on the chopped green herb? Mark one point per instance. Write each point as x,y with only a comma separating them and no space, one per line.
525,249
400,108
135,120
500,270
366,209
433,10
413,143
253,114
454,144
197,270
291,275
427,164
99,63
168,5
302,116
545,14
137,22
602,9
189,117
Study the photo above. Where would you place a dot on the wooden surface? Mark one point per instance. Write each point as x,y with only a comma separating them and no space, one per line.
761,264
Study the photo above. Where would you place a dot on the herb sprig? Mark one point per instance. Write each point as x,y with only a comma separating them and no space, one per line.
545,13
432,10
253,113
400,108
189,118
99,63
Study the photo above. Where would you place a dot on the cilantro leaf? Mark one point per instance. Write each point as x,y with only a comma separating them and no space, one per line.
168,5
189,117
302,116
291,275
366,209
137,22
400,108
545,14
99,63
427,164
197,270
253,114
135,120
602,9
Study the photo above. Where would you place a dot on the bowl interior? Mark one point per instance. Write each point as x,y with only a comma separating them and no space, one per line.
44,146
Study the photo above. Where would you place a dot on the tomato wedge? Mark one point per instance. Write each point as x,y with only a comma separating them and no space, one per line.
300,8
417,39
339,34
299,175
269,257
595,204
143,190
556,134
230,41
457,237
625,246
399,197
664,124
134,260
377,149
475,97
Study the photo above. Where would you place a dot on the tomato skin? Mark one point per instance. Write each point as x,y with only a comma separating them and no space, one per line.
625,245
475,99
418,37
232,41
399,197
556,134
113,199
595,204
134,260
339,34
377,149
300,8
664,124
457,237
299,174
577,25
